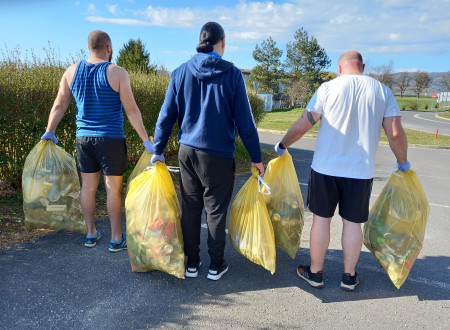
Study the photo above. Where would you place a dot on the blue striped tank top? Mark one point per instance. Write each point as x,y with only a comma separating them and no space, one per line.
99,110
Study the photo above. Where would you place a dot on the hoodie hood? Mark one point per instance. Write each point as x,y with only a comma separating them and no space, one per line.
207,67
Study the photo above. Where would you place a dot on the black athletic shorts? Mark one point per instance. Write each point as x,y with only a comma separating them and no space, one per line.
325,192
108,155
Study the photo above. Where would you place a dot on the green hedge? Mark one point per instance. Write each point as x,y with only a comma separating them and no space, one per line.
27,92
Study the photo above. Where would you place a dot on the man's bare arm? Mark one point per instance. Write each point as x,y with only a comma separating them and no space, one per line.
130,106
307,120
397,138
61,102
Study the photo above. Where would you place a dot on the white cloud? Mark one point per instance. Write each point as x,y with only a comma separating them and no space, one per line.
77,3
91,8
232,48
407,70
394,36
384,27
112,9
118,21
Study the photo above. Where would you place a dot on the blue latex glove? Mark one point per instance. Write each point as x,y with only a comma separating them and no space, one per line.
404,167
148,146
157,158
50,136
279,150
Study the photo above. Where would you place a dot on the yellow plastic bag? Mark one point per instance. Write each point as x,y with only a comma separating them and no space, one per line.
249,227
285,203
142,164
395,230
154,237
51,190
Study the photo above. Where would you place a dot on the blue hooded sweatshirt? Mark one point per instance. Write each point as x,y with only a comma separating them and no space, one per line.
207,96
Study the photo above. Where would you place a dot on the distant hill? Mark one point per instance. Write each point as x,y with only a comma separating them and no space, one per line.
436,85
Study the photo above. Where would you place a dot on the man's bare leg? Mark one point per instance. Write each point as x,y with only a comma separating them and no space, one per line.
113,185
89,184
352,240
319,241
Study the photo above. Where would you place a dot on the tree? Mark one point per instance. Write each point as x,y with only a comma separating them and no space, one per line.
446,80
269,70
383,74
298,91
403,82
305,57
421,81
134,57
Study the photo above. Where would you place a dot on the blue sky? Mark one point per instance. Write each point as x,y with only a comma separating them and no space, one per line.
414,35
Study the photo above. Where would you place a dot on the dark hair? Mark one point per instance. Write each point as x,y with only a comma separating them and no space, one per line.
210,34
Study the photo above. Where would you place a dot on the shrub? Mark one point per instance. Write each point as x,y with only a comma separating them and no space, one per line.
413,105
426,106
437,105
403,107
28,90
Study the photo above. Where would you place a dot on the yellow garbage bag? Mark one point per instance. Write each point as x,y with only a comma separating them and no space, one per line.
395,230
51,190
249,227
154,237
142,164
285,203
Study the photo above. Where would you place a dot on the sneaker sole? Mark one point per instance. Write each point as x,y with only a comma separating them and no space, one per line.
117,250
347,287
312,283
90,245
216,277
192,274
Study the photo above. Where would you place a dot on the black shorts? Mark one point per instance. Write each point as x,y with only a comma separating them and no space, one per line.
325,192
95,154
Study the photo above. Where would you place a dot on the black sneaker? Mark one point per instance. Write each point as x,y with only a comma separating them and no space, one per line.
192,269
313,279
215,273
118,246
91,241
349,282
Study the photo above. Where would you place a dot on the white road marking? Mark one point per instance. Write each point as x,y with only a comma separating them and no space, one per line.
436,121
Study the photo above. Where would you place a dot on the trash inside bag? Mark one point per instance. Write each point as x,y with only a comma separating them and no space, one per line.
285,203
154,237
249,227
395,230
51,190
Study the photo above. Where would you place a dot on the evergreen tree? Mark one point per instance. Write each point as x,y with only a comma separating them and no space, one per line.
269,70
305,58
134,57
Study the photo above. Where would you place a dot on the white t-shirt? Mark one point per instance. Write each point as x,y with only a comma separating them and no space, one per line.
352,109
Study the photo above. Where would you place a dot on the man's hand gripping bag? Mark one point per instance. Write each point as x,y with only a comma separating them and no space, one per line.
51,190
285,203
249,227
395,230
154,237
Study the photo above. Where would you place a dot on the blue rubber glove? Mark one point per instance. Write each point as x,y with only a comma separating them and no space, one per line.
50,136
404,167
157,158
148,146
280,151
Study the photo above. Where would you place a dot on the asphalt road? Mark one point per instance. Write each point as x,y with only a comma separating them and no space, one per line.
425,121
57,283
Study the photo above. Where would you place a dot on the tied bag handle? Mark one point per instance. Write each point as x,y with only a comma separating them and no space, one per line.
262,182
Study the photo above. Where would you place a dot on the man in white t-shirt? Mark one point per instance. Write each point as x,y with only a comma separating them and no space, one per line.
352,109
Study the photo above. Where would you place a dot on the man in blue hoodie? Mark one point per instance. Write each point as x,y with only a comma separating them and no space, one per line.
207,96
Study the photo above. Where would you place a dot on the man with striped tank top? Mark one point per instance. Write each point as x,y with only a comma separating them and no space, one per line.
100,89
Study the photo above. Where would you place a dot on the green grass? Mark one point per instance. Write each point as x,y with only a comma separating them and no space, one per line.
408,102
444,115
282,119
